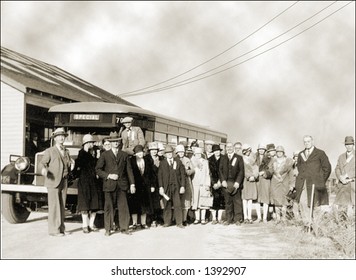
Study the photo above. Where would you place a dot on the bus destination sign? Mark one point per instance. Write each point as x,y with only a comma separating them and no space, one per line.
86,117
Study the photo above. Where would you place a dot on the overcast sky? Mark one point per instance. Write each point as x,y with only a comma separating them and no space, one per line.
304,86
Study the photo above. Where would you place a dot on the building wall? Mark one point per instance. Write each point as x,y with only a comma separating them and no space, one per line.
12,123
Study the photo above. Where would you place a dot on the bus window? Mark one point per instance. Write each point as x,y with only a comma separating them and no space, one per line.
172,139
149,136
183,140
161,137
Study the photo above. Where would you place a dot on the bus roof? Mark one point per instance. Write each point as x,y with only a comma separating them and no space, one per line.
105,107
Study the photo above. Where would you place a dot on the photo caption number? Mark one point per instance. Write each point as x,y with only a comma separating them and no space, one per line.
218,270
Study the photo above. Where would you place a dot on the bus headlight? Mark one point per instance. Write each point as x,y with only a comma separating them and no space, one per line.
22,164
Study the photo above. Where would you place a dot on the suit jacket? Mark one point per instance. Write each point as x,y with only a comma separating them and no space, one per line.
232,170
136,138
314,170
167,174
120,165
56,165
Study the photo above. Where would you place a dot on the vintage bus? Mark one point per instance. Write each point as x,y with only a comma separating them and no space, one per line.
19,197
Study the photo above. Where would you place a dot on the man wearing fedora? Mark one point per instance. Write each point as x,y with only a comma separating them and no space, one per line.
55,166
115,169
131,136
232,172
314,168
171,181
345,173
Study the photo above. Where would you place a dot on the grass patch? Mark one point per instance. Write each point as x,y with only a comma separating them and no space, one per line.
332,236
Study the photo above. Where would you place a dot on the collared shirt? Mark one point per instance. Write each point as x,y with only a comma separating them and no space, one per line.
309,151
115,151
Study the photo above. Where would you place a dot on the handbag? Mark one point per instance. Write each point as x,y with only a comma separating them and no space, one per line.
205,198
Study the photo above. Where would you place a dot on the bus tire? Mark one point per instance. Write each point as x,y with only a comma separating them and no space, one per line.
13,212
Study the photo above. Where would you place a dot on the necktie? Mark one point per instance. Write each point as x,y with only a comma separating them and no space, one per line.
307,153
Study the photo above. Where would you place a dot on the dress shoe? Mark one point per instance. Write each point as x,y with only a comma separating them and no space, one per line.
214,222
226,223
86,230
144,226
203,222
127,232
59,234
66,233
196,222
94,229
154,224
107,233
180,226
238,223
166,225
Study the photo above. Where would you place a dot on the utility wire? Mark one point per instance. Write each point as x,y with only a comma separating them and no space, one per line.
188,79
216,56
306,29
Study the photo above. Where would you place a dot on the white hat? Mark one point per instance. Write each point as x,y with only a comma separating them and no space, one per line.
261,147
152,146
88,138
127,120
198,150
180,148
245,147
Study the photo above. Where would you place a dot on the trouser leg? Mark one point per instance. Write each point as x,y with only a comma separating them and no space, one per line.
124,214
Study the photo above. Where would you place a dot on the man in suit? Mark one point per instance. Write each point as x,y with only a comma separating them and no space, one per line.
131,136
314,168
114,168
345,173
231,172
55,166
171,181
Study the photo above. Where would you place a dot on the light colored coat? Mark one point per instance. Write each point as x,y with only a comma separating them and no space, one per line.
345,194
135,138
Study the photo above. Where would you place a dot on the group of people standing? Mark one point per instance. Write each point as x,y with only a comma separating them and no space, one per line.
139,185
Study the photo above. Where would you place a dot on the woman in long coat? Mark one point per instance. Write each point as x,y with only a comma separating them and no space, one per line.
88,193
265,176
201,185
218,196
249,191
187,197
153,161
282,182
140,202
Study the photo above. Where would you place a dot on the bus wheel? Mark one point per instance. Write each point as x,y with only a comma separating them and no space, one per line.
13,212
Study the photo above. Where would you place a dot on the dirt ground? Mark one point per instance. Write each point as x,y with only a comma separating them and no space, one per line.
253,241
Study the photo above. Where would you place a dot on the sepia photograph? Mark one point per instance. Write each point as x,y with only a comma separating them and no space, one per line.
178,139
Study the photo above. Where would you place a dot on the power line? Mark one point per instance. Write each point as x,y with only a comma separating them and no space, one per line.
216,56
181,84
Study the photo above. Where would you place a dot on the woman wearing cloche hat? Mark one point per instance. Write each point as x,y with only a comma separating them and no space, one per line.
201,187
140,202
89,201
187,197
282,181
